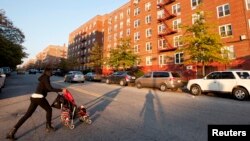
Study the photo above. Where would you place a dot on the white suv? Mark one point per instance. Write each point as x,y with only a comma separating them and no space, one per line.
236,82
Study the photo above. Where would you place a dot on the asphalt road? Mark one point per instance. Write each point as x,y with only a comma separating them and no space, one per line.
119,113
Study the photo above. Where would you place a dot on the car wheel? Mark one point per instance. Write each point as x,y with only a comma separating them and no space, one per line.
138,85
163,87
107,81
195,90
240,93
122,83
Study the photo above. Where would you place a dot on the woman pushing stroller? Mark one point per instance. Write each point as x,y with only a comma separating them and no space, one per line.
38,99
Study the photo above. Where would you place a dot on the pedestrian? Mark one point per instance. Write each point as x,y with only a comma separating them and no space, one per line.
38,98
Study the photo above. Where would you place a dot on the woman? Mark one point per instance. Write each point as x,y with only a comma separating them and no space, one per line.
38,98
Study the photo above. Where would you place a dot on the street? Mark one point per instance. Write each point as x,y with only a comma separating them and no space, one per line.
119,113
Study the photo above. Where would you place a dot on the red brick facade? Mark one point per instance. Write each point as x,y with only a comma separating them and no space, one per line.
156,45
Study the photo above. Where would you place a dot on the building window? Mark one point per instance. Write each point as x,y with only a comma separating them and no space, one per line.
116,18
176,9
136,23
121,25
137,36
115,27
160,1
128,22
162,59
160,14
148,19
249,23
148,32
177,41
228,52
148,6
162,43
161,28
196,17
128,12
148,61
121,34
177,24
128,31
121,16
178,58
136,48
248,4
225,30
223,10
149,46
137,11
195,3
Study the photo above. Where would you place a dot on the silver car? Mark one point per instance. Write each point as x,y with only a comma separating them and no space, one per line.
2,78
74,76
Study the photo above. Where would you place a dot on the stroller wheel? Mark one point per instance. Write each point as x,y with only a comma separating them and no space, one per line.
88,121
72,126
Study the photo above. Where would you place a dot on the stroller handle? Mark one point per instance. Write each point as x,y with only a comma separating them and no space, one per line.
59,93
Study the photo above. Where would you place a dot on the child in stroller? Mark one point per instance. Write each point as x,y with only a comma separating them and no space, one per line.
69,110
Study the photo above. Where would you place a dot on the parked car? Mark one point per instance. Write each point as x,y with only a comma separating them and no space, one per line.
74,76
160,79
121,77
59,72
2,79
20,71
91,76
236,82
32,71
6,71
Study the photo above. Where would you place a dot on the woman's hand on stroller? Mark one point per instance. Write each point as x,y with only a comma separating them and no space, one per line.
64,90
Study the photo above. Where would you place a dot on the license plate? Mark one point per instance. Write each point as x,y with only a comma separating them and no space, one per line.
133,77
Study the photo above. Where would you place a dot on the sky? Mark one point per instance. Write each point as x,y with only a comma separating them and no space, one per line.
49,22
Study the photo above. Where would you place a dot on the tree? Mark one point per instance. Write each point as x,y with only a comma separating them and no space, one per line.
122,56
11,38
201,44
96,58
72,62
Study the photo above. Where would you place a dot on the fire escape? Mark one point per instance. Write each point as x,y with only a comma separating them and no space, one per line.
167,29
82,47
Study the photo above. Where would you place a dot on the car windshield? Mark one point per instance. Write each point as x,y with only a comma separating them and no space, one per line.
78,72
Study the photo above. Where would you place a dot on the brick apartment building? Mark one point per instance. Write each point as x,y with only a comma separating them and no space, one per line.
117,25
51,55
154,29
82,40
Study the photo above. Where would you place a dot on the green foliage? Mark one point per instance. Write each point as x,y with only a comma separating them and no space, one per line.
96,58
11,38
201,44
71,63
122,56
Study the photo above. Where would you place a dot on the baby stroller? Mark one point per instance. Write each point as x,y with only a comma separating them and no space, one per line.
69,110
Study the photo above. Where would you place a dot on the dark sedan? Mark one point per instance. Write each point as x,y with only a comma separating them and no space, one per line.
91,76
121,77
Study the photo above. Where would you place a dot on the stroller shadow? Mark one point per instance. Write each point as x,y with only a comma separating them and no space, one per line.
98,105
